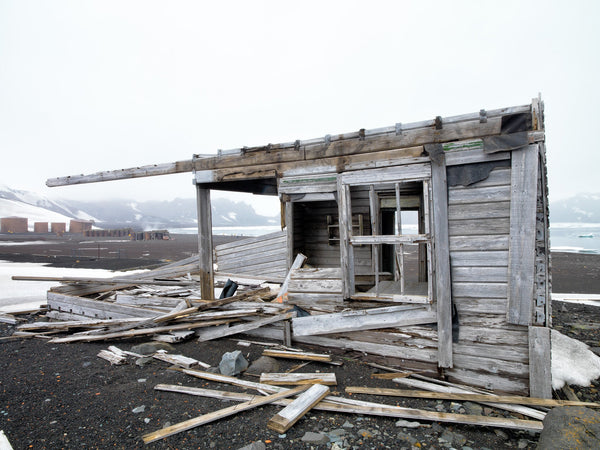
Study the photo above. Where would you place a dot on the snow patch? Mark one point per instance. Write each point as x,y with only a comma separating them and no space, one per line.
572,362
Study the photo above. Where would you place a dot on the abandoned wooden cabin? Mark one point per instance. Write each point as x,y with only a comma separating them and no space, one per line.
426,243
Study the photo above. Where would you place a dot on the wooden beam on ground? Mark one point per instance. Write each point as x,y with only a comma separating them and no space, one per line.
509,399
374,409
180,360
424,385
135,333
255,402
288,416
291,379
209,335
297,355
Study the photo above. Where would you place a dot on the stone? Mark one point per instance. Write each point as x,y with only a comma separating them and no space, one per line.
310,437
570,427
473,408
407,424
257,445
406,438
501,434
454,439
149,348
144,361
264,364
233,363
139,409
347,425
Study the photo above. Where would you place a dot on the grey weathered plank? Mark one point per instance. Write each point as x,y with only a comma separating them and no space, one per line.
368,319
522,235
293,412
205,246
540,372
443,283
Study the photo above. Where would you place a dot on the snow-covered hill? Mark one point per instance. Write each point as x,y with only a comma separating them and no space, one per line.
178,213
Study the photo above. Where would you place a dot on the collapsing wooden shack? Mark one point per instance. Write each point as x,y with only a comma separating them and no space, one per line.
426,243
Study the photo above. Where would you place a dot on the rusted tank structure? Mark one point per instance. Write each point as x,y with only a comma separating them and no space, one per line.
13,225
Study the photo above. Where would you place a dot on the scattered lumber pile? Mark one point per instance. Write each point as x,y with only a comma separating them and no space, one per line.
163,303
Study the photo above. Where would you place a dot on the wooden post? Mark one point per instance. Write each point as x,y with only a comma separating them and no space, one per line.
205,246
289,226
374,212
346,252
521,252
443,285
540,372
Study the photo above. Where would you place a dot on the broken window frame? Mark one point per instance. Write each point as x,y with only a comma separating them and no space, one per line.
348,240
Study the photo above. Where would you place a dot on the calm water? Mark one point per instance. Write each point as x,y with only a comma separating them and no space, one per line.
575,237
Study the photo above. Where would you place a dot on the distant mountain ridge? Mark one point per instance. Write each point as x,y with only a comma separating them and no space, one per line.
583,208
181,212
120,213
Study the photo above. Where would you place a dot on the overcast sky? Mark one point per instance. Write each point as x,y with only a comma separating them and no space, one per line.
99,85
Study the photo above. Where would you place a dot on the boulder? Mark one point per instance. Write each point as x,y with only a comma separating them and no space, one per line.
570,427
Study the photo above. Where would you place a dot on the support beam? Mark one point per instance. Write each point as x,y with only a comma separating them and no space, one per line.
346,251
205,245
443,285
521,253
540,371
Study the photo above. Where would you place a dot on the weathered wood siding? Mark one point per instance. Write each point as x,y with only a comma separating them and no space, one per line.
263,256
489,352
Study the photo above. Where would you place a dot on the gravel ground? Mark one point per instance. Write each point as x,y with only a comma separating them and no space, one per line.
63,396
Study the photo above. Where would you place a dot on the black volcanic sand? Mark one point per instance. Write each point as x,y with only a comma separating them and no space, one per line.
100,253
63,396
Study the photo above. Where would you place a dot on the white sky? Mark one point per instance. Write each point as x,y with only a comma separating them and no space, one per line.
99,85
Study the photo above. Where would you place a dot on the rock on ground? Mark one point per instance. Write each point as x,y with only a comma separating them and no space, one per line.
570,428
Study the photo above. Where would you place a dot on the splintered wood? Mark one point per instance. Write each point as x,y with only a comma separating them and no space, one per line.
163,302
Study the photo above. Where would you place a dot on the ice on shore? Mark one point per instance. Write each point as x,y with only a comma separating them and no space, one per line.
572,362
16,295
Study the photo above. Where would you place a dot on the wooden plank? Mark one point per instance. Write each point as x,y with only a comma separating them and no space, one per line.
134,333
205,243
540,372
387,174
491,210
508,399
479,274
288,416
297,355
493,258
346,251
291,379
208,335
478,243
449,388
367,319
374,409
216,415
479,195
479,290
283,291
478,227
523,205
93,308
180,360
443,284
